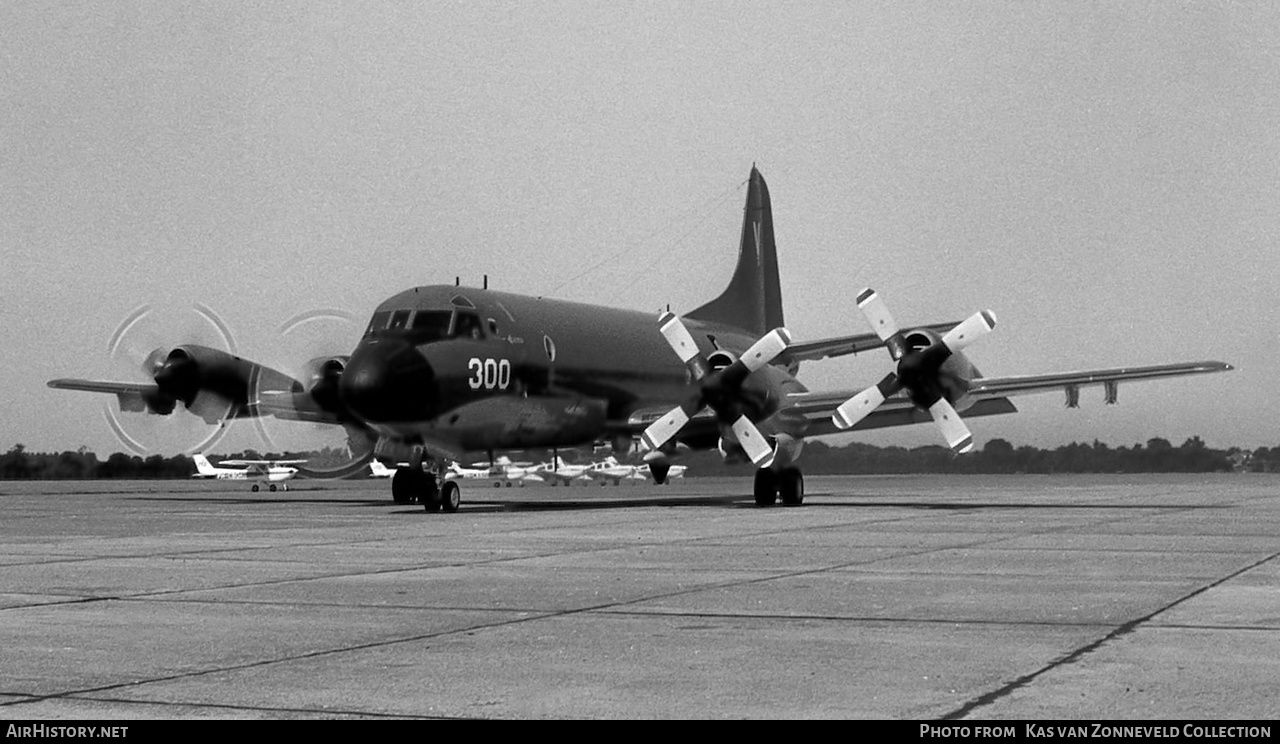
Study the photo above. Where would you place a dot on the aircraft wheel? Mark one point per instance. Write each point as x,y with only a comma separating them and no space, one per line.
766,487
791,487
450,497
255,488
272,488
508,484
496,484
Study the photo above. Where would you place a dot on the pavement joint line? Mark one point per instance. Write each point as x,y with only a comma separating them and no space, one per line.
419,637
327,712
31,697
1079,653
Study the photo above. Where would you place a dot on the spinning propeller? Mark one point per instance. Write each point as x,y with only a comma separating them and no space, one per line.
177,374
721,389
917,371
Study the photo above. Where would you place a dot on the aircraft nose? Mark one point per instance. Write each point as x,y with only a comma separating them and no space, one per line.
388,380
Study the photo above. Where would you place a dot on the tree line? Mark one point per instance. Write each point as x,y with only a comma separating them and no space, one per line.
997,456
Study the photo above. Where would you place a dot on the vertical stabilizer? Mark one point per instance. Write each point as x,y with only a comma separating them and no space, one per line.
202,465
753,299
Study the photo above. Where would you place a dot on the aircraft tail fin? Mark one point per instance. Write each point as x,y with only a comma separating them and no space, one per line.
753,299
202,465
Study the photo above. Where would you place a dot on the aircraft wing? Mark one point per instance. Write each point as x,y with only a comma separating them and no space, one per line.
293,407
986,387
989,395
815,411
603,476
267,463
132,395
559,476
812,351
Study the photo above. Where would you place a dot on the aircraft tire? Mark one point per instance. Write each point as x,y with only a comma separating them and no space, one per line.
791,487
766,487
450,497
254,488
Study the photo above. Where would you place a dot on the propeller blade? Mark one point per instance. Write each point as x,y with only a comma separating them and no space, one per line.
859,406
682,343
661,431
766,349
953,429
971,329
753,442
877,314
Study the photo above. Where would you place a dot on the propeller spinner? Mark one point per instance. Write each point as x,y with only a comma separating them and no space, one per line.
721,389
917,371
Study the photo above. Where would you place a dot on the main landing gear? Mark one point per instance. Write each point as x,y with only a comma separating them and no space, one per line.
410,485
786,484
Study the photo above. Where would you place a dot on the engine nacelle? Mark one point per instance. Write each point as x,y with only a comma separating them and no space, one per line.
322,369
956,374
321,378
720,359
186,372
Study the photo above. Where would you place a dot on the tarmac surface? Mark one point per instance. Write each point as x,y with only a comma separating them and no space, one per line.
1060,597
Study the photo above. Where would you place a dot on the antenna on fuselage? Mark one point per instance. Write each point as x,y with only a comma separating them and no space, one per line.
486,281
457,281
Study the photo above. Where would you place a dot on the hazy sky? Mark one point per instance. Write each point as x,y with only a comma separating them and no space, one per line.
1103,176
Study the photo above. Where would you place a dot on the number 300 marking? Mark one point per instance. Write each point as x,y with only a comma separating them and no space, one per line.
489,374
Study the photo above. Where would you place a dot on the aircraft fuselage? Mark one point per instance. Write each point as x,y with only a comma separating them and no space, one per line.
482,369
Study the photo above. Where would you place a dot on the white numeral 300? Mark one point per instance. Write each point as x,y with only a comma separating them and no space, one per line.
489,374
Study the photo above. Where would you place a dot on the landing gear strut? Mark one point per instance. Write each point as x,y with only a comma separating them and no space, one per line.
411,484
787,484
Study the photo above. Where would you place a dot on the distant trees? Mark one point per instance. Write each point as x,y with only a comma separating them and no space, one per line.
997,456
1000,456
18,464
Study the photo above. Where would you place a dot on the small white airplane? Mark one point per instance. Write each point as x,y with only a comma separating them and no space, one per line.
559,472
378,470
270,472
503,473
609,470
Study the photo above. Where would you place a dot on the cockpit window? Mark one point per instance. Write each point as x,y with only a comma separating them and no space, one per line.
431,325
467,325
400,319
380,320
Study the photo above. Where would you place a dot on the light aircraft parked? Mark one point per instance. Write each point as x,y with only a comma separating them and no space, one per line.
609,470
378,470
271,472
501,473
559,472
445,370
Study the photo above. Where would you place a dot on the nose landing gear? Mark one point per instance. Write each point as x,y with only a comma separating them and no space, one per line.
413,484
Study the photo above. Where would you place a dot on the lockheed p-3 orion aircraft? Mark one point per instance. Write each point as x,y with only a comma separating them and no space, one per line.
442,371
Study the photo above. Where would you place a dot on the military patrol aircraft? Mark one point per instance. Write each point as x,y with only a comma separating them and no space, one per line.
445,370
